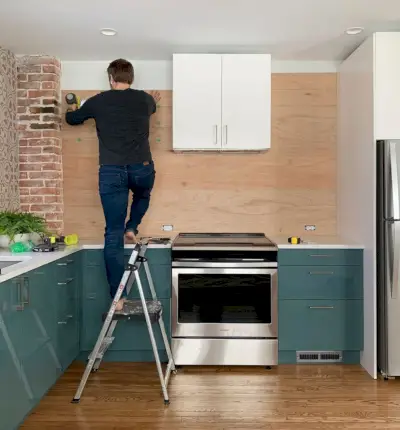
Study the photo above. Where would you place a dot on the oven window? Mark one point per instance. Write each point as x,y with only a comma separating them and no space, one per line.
211,298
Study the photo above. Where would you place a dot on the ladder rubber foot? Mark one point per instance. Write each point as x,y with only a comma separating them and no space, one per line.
268,367
75,400
175,372
166,402
94,370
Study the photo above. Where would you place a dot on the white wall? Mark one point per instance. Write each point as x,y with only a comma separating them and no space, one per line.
157,75
356,161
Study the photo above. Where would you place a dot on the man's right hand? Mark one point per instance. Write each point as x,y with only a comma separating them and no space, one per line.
156,96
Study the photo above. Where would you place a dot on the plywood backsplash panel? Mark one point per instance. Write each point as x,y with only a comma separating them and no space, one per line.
277,192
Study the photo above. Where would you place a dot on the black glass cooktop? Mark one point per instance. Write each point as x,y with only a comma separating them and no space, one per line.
222,239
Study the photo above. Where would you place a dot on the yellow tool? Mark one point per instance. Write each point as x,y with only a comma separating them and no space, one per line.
73,99
294,240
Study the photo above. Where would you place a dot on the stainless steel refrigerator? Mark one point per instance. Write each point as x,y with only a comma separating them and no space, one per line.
388,256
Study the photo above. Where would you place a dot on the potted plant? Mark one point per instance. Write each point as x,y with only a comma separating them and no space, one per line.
20,227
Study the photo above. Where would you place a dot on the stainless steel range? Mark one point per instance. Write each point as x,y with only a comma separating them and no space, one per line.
224,299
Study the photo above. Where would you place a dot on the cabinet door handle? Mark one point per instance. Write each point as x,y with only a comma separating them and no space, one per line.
321,307
28,292
226,135
20,306
62,322
215,134
320,255
68,281
320,273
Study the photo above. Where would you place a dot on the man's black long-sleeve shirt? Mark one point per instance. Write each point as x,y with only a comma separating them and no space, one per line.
122,122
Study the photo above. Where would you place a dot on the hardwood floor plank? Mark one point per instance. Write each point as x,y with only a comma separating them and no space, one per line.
128,395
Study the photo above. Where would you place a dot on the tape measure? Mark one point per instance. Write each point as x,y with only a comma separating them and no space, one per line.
294,240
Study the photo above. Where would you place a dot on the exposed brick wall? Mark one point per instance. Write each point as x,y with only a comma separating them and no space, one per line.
40,156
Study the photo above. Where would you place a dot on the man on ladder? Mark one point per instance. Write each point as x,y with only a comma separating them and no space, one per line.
122,117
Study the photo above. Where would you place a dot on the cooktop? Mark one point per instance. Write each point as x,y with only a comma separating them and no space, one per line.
222,240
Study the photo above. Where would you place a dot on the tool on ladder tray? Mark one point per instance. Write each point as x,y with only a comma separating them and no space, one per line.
150,309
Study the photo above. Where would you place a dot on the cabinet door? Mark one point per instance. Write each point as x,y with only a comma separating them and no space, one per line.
196,102
246,102
387,86
15,393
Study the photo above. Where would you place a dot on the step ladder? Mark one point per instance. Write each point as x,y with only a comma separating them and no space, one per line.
151,310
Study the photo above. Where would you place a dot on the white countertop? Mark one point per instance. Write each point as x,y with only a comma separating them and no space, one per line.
315,242
32,260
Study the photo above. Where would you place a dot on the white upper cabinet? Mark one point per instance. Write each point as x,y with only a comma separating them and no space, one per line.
387,85
221,102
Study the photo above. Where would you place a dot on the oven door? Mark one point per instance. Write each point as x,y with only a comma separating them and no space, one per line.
224,302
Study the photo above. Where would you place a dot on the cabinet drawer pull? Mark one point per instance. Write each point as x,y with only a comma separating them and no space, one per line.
68,281
20,306
62,322
70,316
321,307
66,263
320,273
321,255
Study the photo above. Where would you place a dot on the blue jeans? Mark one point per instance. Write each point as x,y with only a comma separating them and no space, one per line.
115,182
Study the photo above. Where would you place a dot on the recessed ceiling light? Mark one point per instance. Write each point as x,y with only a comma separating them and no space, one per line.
108,32
354,30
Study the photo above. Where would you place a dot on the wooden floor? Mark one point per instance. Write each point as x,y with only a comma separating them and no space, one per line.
127,396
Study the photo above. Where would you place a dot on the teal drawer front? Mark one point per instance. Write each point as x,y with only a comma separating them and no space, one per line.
309,325
320,282
155,256
320,257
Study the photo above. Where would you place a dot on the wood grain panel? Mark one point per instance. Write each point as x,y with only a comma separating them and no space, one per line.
277,192
127,396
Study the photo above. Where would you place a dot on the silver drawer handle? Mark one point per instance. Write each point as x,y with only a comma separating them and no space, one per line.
321,307
70,316
320,273
321,255
62,322
65,264
69,280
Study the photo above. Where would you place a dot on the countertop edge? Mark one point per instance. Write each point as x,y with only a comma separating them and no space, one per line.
319,246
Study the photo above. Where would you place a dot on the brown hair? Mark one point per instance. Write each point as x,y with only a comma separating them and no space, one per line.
121,71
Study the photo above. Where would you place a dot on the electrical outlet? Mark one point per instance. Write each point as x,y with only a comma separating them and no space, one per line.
167,227
310,227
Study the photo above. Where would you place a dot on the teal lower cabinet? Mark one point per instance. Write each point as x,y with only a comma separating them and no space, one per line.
320,306
132,341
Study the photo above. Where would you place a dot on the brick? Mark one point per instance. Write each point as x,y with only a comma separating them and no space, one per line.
28,102
50,102
51,118
44,158
41,109
23,158
46,175
51,166
23,191
29,68
41,93
46,126
30,167
55,226
46,208
32,199
54,199
21,109
22,127
29,118
39,142
51,150
48,86
30,150
42,77
22,94
25,208
30,134
50,69
23,142
23,175
29,85
55,183
22,77
31,183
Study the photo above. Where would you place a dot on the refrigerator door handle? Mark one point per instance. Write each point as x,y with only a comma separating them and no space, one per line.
395,180
395,260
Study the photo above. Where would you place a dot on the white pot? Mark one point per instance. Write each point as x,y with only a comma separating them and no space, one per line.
4,241
35,238
24,238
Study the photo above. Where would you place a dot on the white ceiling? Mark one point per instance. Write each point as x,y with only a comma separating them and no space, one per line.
154,29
